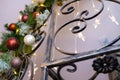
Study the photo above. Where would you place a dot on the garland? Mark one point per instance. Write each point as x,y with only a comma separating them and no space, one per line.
21,35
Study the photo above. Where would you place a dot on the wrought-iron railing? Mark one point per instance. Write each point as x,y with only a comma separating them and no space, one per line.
105,62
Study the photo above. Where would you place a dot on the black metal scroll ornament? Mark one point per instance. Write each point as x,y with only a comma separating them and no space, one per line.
69,70
105,65
76,29
70,9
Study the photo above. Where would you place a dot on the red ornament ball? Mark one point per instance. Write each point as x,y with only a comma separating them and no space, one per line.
24,17
12,27
16,62
12,43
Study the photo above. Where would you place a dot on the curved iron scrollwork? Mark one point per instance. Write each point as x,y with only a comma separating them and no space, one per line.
70,9
76,29
82,18
86,12
69,70
101,65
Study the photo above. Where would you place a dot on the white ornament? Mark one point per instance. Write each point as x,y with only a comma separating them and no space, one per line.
29,39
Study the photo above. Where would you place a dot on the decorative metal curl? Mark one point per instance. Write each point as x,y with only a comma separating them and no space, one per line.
110,62
71,9
74,30
69,70
77,29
